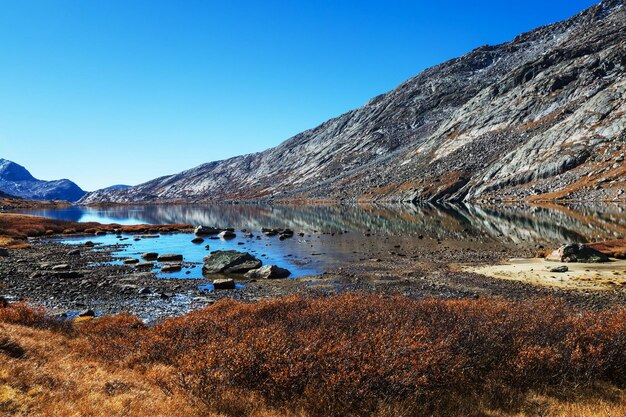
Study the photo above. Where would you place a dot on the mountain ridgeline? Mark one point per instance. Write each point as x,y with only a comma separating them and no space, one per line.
16,181
540,117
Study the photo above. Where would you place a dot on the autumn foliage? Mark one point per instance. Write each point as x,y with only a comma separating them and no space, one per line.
353,354
19,227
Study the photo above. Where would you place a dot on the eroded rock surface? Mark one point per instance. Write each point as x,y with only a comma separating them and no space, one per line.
541,117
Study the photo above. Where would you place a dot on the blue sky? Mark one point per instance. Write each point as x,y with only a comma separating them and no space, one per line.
107,92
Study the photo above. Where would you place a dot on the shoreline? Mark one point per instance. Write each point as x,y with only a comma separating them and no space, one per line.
386,264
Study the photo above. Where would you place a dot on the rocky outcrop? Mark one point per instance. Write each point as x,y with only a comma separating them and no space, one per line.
577,252
17,181
540,117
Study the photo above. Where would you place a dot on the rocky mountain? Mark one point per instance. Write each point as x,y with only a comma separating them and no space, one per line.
540,117
17,181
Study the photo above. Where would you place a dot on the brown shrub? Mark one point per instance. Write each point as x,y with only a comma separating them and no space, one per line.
613,248
26,315
11,348
357,353
20,226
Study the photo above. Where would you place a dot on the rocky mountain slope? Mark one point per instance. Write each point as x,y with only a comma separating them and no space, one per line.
17,181
540,117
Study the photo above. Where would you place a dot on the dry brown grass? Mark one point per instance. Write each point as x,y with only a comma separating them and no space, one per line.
320,356
53,379
18,203
16,228
613,248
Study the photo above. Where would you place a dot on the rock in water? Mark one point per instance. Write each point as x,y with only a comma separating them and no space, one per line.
171,268
150,256
170,257
206,230
268,272
577,252
227,234
229,262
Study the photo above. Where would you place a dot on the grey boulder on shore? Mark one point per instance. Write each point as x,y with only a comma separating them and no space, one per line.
268,272
229,262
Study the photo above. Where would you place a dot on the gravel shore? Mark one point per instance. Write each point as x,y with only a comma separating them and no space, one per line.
66,280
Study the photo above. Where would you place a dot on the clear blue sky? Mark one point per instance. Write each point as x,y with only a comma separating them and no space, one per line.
107,91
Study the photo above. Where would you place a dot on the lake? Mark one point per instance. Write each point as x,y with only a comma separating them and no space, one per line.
541,225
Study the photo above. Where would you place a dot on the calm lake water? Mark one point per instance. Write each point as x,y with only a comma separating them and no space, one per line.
505,223
315,252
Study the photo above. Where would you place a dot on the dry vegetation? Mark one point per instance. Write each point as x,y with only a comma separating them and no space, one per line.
16,228
319,356
12,203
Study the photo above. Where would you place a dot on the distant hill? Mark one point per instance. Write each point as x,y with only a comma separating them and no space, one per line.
541,116
15,180
116,187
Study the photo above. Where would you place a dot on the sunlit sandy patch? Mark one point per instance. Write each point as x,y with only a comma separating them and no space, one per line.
606,276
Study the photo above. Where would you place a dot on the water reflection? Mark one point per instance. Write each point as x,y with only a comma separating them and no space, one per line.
510,223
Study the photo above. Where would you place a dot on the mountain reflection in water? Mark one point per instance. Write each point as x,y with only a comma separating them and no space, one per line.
509,223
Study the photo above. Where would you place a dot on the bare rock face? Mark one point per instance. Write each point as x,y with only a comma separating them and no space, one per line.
576,252
540,117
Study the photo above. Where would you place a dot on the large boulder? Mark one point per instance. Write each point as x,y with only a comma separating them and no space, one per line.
577,252
229,262
268,272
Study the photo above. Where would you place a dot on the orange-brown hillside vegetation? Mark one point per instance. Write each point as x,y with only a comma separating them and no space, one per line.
15,228
19,203
359,355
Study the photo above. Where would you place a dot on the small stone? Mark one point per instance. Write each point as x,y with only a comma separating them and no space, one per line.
171,268
131,261
227,234
224,284
86,313
268,272
560,269
170,257
197,240
149,256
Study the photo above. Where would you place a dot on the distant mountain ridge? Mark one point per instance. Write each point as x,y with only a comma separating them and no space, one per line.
540,117
17,181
